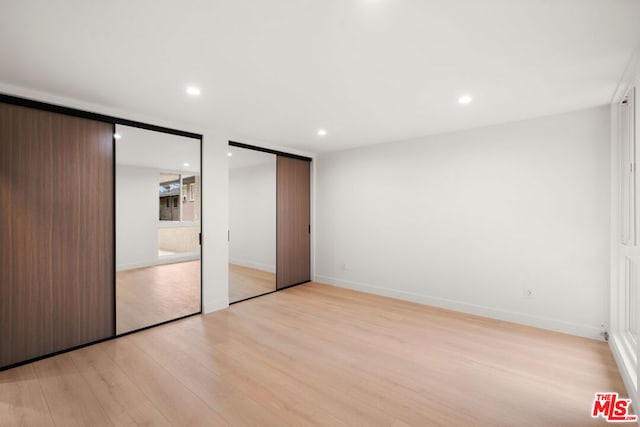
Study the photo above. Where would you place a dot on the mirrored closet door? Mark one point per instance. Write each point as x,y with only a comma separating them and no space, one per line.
252,223
158,211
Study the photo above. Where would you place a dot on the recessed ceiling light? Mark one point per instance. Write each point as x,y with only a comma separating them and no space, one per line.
322,132
193,90
464,99
186,164
117,136
229,154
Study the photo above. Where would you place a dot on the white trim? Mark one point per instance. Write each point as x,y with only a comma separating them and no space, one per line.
614,320
253,264
631,71
167,259
215,305
622,348
625,366
557,325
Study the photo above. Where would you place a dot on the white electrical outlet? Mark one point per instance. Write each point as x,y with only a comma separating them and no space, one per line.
529,293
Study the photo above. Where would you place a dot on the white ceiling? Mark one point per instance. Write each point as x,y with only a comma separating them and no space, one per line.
367,71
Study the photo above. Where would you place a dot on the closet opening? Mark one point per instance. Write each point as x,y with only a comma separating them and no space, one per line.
269,221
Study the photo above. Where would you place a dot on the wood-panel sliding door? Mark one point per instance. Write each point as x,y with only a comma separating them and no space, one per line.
293,223
56,232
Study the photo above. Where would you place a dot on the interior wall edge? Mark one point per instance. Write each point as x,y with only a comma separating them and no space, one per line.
548,323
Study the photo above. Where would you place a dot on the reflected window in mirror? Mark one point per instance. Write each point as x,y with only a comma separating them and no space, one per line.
174,188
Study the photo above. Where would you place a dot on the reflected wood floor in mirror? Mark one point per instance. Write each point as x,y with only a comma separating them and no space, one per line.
245,282
151,295
319,355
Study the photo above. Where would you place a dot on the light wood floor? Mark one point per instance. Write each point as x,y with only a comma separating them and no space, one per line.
152,295
318,355
245,282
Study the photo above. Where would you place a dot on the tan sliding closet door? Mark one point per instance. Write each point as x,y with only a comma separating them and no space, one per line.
293,234
56,232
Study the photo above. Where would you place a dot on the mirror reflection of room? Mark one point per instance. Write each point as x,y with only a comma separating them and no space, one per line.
158,207
252,223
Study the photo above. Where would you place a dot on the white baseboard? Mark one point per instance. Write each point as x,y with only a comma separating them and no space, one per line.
252,264
214,305
465,307
168,259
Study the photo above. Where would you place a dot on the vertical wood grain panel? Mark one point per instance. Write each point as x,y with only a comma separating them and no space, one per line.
56,232
293,238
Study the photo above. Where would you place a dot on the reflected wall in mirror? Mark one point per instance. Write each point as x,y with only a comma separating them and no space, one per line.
252,223
157,228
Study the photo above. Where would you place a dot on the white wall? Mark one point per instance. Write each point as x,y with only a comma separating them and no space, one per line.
252,215
136,216
214,221
470,220
214,187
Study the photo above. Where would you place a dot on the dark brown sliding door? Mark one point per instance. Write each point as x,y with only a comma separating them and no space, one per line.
56,232
293,235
